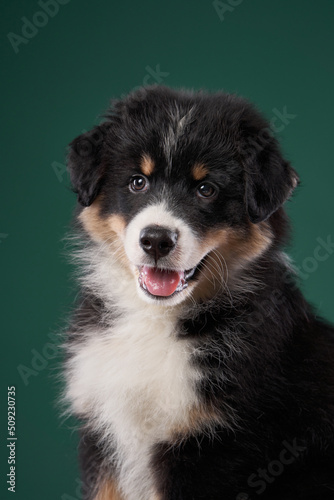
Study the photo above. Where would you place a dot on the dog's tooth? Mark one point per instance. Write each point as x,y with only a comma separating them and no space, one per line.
190,273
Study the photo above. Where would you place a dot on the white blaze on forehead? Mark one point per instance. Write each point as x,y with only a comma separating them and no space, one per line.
185,255
175,131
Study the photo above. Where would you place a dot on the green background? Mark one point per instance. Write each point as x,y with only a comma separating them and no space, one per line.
278,54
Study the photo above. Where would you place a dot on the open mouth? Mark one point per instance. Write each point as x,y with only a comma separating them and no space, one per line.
164,283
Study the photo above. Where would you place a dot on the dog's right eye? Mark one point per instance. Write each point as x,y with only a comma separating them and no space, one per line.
138,183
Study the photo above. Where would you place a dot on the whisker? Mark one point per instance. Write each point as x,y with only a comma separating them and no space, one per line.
219,264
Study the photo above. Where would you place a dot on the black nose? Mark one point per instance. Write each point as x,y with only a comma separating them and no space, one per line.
157,241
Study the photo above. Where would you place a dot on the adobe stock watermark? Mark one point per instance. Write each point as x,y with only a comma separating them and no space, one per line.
152,76
30,27
321,253
277,123
222,8
39,359
3,236
277,299
262,477
94,137
59,169
156,75
310,264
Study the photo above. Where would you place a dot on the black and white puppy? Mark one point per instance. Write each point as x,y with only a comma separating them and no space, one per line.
196,366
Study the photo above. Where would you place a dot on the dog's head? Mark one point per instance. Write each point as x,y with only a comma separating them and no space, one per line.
186,183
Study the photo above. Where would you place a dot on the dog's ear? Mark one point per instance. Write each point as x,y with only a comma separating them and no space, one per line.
85,164
269,179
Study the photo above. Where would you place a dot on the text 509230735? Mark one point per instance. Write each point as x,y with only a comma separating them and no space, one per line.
11,439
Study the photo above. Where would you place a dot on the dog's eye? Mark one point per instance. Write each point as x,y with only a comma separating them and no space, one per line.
206,190
138,183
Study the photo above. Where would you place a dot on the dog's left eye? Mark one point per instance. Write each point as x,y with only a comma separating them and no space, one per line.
138,183
206,190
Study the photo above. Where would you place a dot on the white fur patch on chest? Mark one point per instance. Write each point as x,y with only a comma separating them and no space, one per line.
135,384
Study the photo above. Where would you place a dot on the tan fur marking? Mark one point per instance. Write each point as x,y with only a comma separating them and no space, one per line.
199,171
108,491
147,165
199,417
101,228
108,229
117,224
237,245
228,250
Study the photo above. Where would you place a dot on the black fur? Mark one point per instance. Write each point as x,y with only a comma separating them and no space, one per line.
267,360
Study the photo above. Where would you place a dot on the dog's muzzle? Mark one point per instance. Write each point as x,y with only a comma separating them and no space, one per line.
158,242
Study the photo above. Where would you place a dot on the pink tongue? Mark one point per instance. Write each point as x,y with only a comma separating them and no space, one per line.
160,282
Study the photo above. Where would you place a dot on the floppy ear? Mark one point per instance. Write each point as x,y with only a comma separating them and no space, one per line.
269,180
85,164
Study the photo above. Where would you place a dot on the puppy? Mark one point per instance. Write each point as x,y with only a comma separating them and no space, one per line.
195,365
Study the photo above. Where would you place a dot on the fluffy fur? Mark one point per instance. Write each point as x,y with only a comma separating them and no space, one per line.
194,363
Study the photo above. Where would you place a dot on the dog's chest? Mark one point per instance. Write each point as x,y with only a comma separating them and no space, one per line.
137,384
151,379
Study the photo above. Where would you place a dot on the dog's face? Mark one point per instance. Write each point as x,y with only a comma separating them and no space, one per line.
185,184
